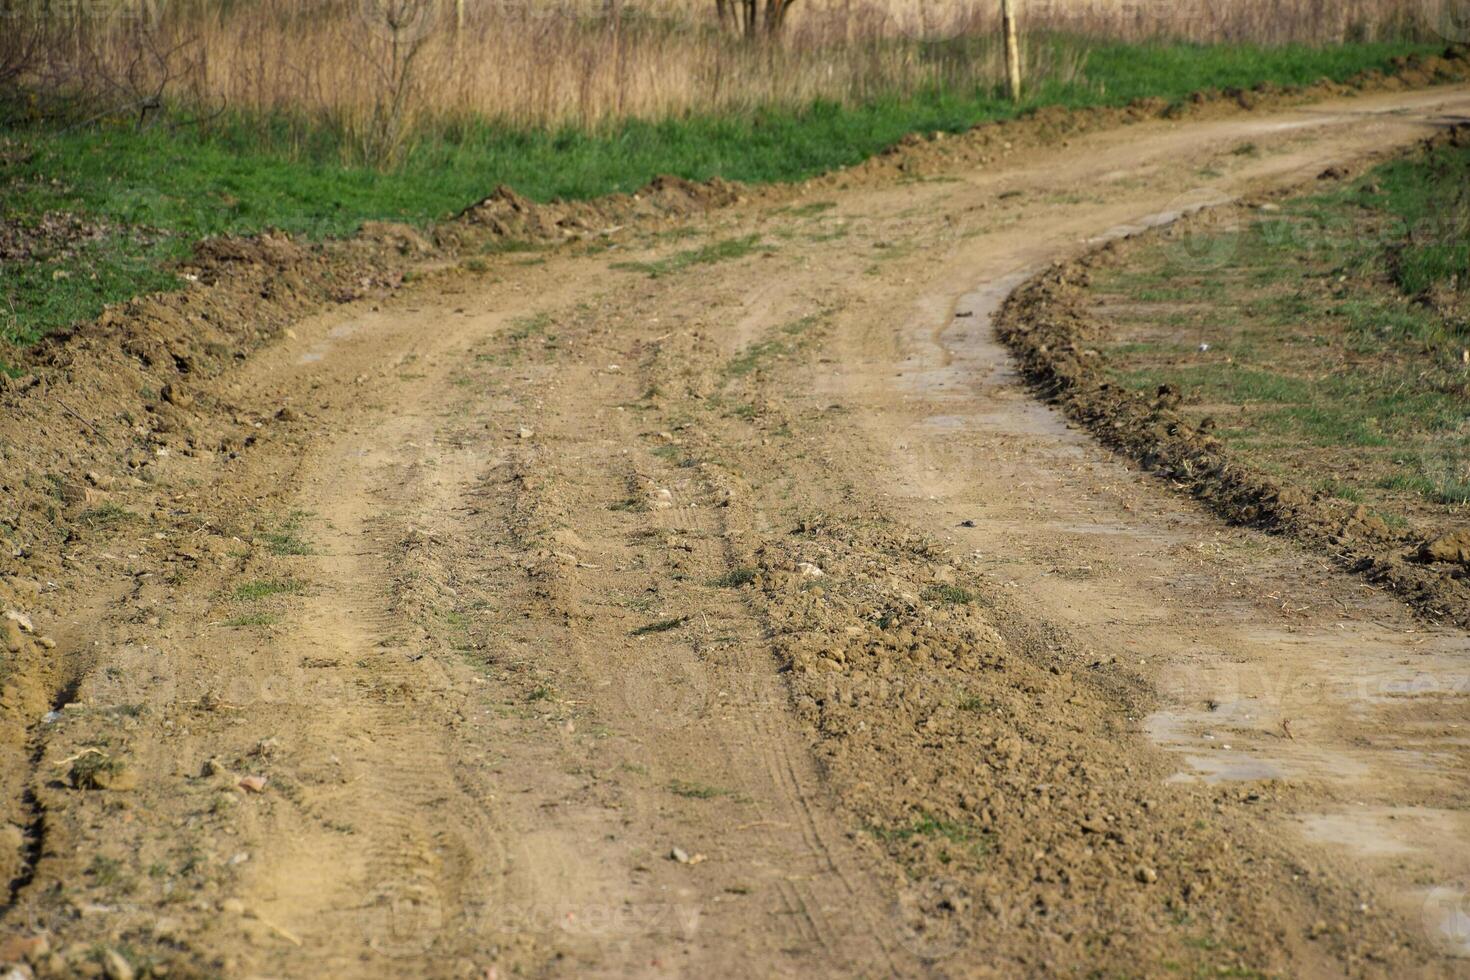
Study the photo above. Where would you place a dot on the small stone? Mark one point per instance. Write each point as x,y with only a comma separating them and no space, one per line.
1452,547
115,967
253,784
232,906
211,767
808,570
175,397
1146,875
684,857
27,948
20,619
46,642
525,433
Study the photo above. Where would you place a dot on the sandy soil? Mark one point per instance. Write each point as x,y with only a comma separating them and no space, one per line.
751,620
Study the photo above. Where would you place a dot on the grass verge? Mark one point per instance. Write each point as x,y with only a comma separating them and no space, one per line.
1278,364
1324,342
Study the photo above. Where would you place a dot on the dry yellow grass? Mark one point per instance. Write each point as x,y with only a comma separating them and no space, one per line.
372,66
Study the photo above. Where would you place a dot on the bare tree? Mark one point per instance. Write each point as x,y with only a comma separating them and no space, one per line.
398,33
751,19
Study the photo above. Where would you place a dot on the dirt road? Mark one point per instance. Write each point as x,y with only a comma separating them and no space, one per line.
749,619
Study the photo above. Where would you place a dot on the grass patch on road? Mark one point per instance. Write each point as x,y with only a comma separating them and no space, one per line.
1326,341
266,588
721,251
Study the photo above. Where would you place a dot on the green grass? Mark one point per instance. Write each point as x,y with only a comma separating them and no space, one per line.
105,517
239,174
757,354
949,595
965,838
285,540
265,588
526,327
721,251
252,619
735,578
1335,327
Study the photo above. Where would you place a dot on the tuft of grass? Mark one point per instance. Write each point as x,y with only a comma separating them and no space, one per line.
252,619
265,588
736,578
950,595
105,517
696,791
721,251
757,354
526,327
969,840
285,543
106,872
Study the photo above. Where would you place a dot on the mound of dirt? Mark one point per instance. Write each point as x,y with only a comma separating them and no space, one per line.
506,214
99,411
1048,325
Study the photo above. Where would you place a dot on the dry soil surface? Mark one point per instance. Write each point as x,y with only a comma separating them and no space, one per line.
750,619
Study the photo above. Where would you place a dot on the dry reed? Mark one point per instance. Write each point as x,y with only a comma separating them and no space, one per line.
376,67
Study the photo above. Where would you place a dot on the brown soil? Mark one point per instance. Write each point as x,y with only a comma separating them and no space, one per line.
750,620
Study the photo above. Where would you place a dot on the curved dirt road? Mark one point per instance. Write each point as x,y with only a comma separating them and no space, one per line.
750,619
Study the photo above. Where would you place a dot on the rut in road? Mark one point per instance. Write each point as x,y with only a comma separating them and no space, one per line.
627,626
